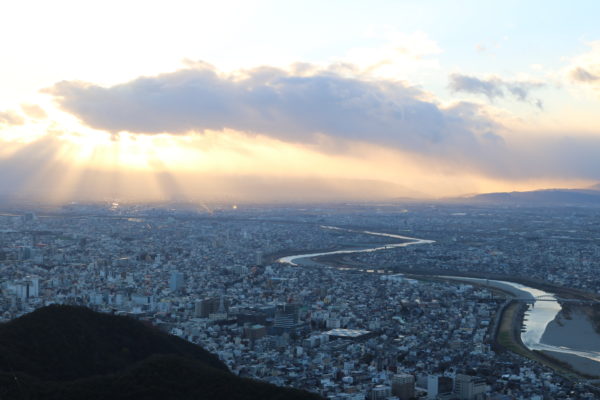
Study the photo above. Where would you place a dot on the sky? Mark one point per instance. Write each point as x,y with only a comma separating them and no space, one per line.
269,101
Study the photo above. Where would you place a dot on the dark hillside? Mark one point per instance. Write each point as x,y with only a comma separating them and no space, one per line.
64,352
65,343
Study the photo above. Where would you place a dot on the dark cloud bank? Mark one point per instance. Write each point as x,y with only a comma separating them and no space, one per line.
279,104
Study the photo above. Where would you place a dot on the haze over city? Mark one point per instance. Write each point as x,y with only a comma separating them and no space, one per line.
277,101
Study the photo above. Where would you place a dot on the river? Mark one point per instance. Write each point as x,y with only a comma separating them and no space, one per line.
574,338
410,241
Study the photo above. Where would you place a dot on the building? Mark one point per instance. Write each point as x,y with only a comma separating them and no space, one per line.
349,334
25,253
221,313
468,387
255,332
438,385
259,258
33,285
403,386
176,281
286,316
210,305
26,288
380,392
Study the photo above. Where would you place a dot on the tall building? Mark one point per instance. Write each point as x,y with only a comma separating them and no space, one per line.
259,257
210,305
403,386
380,392
28,217
468,387
286,315
255,332
26,288
176,281
33,283
437,385
25,253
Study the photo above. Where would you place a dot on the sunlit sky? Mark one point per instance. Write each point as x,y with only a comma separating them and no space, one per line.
296,101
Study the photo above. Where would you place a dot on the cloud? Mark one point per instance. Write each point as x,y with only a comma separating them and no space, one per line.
399,54
495,87
289,106
585,68
10,118
34,111
581,75
470,84
567,156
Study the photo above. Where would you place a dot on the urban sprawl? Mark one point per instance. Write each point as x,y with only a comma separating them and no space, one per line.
350,328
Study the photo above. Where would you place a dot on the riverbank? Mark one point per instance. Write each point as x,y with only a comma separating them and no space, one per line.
583,366
509,337
574,331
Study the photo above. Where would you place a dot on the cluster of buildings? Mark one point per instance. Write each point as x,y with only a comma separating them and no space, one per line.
346,333
560,246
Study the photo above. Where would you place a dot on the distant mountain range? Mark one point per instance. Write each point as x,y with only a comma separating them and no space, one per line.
587,196
67,353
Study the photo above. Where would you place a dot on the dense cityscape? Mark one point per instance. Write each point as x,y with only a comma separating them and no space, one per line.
350,327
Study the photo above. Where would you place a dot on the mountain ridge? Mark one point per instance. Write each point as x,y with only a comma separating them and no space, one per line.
554,196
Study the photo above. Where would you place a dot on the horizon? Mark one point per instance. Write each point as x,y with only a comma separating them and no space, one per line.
246,102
